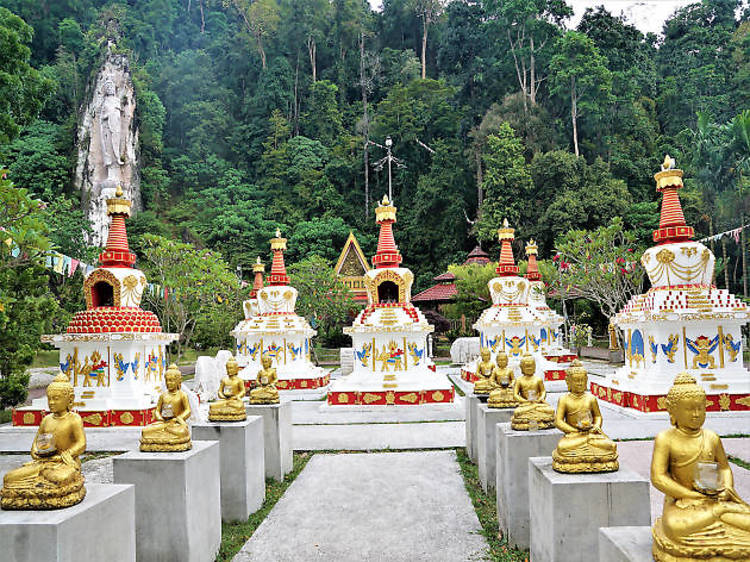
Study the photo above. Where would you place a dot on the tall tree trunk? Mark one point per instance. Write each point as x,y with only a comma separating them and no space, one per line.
744,254
365,122
532,69
295,118
726,262
424,46
480,177
312,49
574,114
203,17
261,51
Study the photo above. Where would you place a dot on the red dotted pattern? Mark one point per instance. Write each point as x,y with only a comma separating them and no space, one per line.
387,254
106,319
278,274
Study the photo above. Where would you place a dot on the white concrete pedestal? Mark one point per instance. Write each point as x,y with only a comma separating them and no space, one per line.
487,419
178,502
566,510
514,448
101,527
277,436
625,544
471,402
242,466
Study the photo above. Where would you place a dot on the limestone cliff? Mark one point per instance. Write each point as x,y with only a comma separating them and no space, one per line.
108,143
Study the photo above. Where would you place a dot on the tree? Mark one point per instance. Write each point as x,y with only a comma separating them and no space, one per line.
322,121
740,128
323,298
599,265
579,73
261,18
23,90
472,284
428,11
195,283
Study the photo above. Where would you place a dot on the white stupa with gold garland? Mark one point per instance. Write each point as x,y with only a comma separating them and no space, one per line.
389,336
113,352
519,320
272,328
683,322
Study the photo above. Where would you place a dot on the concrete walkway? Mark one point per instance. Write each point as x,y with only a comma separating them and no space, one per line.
372,507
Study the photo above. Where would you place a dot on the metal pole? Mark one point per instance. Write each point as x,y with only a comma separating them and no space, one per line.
388,144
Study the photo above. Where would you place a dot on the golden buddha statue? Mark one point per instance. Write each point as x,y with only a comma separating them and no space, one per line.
483,385
502,380
52,479
584,447
533,412
265,392
170,431
229,406
703,517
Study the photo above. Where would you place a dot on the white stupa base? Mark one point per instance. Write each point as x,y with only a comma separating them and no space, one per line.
302,378
421,386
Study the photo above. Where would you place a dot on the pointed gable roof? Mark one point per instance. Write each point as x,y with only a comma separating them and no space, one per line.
351,254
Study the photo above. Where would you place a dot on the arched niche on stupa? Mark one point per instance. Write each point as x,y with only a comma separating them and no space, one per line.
388,291
101,288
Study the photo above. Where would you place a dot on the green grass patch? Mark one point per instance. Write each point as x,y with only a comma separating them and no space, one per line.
739,462
486,507
235,535
46,358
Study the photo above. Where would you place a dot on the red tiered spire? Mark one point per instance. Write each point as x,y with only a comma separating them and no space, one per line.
387,254
278,274
532,271
507,265
258,269
117,253
672,226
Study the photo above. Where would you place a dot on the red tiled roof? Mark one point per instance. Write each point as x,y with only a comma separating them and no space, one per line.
477,255
447,276
441,292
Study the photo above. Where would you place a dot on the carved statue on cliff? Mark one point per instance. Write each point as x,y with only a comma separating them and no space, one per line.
110,125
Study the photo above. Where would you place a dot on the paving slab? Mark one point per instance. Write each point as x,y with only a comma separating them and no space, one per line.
311,413
368,437
373,507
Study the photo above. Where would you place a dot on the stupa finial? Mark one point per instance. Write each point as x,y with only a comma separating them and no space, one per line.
532,270
387,254
672,226
506,265
278,274
117,252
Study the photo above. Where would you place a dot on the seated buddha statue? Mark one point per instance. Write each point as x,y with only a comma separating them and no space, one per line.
703,517
533,412
229,406
483,385
52,478
265,392
502,380
169,432
584,447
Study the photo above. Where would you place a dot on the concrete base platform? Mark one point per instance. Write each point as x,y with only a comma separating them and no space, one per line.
101,527
514,449
567,510
178,502
487,419
395,507
277,436
625,544
243,472
471,401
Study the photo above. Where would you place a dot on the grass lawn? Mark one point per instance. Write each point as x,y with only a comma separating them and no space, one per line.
45,358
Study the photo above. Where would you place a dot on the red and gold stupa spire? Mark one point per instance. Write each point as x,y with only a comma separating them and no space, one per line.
506,267
387,254
258,269
532,270
672,226
117,253
278,274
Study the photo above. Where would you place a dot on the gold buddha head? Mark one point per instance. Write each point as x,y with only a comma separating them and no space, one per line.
60,394
502,359
686,403
576,377
485,354
266,361
232,367
528,364
173,378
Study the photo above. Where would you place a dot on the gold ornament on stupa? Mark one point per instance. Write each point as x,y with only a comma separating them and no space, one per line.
584,448
265,392
533,411
703,517
229,406
503,384
52,479
169,432
483,385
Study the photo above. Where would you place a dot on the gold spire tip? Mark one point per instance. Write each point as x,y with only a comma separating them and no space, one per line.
118,192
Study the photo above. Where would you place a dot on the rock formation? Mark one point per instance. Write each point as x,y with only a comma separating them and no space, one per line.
108,143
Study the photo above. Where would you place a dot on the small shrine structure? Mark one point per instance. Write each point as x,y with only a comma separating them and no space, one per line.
519,320
682,323
351,268
114,351
389,336
273,329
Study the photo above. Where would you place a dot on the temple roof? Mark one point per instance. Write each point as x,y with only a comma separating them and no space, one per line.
477,255
440,292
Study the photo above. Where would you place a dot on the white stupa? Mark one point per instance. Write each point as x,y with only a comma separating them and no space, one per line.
114,351
683,322
273,329
389,336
